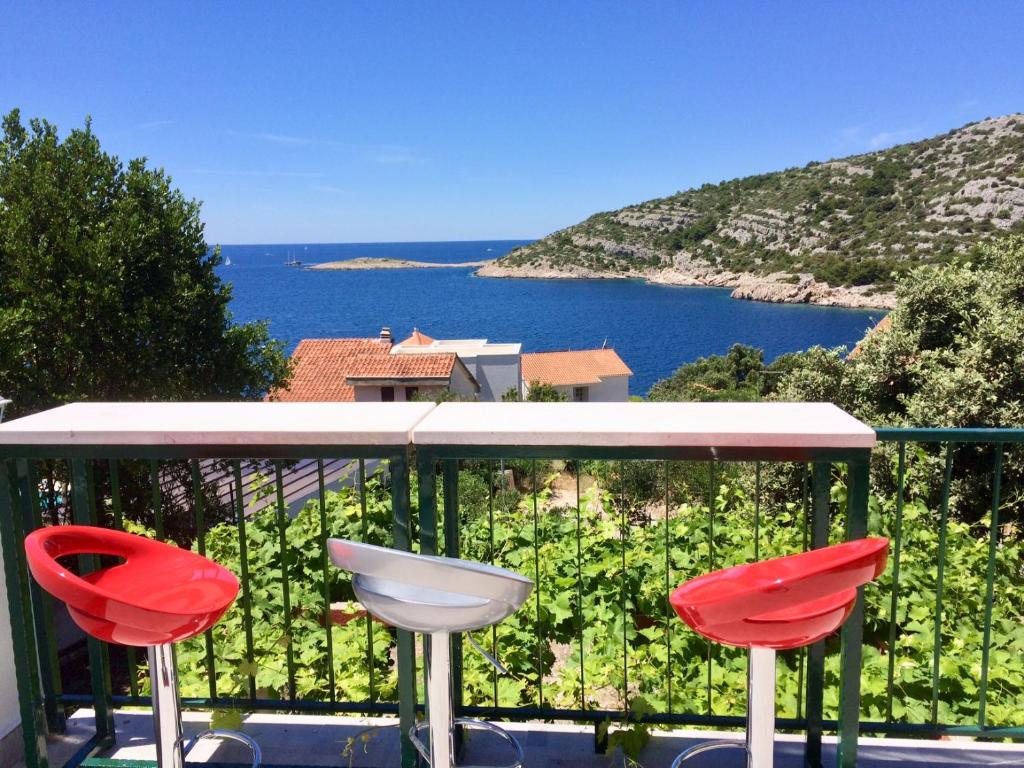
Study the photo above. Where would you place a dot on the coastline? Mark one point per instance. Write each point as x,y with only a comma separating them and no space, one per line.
777,288
375,262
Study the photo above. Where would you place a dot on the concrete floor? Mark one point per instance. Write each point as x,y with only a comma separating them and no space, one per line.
317,740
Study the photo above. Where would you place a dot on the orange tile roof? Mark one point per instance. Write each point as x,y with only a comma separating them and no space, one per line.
418,339
585,366
325,368
881,325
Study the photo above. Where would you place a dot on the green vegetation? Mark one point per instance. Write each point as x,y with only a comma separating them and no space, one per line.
107,287
538,392
863,220
950,356
614,597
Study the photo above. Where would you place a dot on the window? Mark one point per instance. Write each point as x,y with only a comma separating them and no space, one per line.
387,394
579,394
411,392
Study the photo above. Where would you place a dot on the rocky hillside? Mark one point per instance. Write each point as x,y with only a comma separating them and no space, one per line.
836,232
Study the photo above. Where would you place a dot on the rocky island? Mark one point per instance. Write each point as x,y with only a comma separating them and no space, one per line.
836,233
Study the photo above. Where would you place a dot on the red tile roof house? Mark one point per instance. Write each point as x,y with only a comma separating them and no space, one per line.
586,375
364,370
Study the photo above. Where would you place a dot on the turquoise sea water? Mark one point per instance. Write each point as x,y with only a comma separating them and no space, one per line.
654,328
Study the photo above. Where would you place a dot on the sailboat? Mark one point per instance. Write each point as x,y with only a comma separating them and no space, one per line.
227,261
292,261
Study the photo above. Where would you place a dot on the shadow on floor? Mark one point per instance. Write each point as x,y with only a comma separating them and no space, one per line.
319,740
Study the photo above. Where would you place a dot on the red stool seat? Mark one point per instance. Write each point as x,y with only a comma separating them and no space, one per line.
788,602
160,594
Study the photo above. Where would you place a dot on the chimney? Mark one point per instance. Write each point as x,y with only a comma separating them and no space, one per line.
385,333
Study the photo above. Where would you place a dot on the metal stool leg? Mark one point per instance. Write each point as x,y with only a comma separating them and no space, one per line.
760,708
163,677
440,721
439,696
170,747
760,741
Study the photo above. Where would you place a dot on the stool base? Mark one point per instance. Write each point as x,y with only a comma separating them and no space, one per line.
170,746
760,741
439,724
470,724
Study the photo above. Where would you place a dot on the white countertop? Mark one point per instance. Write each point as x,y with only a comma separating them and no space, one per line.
720,425
225,424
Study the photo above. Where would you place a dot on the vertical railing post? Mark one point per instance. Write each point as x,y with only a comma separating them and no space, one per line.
99,655
42,605
426,484
821,486
26,664
858,469
402,532
450,479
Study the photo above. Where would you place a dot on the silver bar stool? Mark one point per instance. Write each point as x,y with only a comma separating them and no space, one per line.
434,596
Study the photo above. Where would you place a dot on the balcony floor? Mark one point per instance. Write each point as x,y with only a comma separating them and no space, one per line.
318,740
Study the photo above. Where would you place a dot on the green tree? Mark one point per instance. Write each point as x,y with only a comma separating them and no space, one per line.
107,286
734,376
539,392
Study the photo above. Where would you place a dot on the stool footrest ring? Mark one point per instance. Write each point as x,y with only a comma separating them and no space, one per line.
473,725
217,733
706,746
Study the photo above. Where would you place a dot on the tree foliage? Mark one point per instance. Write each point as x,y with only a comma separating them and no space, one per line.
540,392
107,286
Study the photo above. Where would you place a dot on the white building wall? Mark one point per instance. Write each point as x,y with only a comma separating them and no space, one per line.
612,389
372,392
496,374
461,384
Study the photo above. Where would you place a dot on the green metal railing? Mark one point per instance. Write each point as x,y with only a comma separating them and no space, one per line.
831,498
28,502
444,523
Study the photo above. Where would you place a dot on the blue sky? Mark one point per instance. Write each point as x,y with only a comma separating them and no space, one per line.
342,122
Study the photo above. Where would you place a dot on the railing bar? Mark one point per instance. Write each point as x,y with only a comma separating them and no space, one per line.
243,558
802,653
579,587
364,532
757,511
51,492
282,536
42,607
116,508
940,577
711,565
901,474
537,587
82,487
158,513
199,506
668,588
490,559
325,566
623,525
117,511
993,545
31,704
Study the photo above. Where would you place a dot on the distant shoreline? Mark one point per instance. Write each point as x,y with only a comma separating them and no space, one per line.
373,262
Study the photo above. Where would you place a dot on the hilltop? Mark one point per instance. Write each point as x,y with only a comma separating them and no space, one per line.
836,232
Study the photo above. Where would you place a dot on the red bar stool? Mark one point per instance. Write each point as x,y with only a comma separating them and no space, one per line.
158,596
775,605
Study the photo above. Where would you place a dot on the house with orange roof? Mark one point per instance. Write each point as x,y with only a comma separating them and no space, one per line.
585,375
364,370
495,366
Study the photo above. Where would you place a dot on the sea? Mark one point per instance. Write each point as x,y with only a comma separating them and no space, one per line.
655,329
